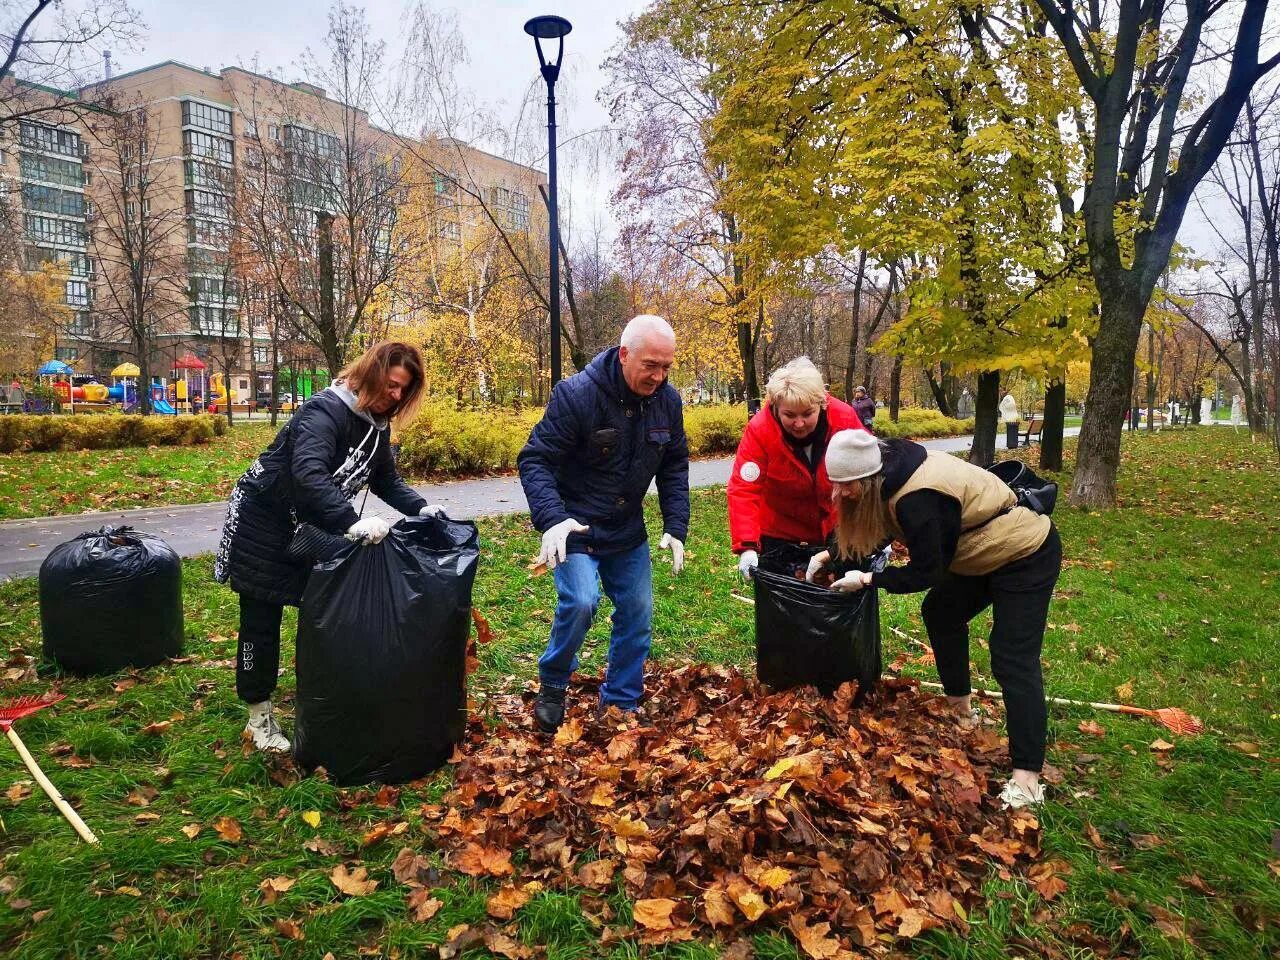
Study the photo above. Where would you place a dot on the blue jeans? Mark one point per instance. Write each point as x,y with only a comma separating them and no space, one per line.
628,581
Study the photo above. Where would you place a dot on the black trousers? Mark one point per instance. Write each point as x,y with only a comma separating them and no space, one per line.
258,660
1018,594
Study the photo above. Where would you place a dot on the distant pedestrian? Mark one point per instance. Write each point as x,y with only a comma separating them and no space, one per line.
865,407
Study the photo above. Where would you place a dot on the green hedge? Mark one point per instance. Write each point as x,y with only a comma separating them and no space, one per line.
918,424
107,431
445,440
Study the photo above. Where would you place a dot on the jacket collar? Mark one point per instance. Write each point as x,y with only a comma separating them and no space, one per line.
606,371
902,458
339,388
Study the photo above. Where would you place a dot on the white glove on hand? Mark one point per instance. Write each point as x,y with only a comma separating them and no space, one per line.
432,510
851,582
371,530
668,542
816,563
748,562
555,542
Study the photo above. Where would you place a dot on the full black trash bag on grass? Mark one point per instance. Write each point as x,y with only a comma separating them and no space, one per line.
111,599
381,653
808,634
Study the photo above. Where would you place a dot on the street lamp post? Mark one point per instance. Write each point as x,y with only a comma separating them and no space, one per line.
552,28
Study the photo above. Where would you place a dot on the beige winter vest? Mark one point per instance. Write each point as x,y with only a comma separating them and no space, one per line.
985,544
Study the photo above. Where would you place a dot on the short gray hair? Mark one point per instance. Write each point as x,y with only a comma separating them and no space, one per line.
641,328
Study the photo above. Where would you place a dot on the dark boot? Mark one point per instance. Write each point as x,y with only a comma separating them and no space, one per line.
548,709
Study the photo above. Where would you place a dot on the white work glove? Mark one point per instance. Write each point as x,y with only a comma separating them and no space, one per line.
816,563
852,582
555,542
747,563
668,542
432,510
371,530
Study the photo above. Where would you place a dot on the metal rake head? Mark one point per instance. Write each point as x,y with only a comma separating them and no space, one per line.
16,708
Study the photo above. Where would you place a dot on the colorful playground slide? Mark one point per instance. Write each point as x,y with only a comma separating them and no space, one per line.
162,406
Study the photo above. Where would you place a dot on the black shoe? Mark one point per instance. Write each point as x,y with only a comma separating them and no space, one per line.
548,709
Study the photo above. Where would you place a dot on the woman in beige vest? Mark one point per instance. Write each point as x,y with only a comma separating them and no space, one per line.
970,546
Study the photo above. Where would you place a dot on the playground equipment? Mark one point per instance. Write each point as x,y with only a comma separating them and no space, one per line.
217,393
193,386
124,389
159,402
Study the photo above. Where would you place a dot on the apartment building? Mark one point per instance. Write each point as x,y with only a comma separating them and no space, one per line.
76,182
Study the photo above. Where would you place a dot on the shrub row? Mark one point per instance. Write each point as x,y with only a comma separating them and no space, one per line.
919,424
25,432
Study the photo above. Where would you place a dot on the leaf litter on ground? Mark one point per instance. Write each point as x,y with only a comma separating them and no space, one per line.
721,805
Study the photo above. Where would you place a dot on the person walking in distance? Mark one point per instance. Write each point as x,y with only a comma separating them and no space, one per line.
607,432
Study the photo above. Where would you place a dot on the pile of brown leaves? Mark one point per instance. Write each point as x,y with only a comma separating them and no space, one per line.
721,805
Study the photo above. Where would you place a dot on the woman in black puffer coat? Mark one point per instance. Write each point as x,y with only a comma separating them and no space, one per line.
335,445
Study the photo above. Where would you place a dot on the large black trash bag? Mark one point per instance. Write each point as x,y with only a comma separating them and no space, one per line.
381,654
111,599
808,634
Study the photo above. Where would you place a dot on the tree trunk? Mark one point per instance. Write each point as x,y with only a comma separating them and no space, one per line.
1112,368
1055,412
1151,382
986,410
329,339
895,389
143,356
855,325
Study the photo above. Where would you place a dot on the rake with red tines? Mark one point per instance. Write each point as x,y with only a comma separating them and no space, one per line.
1171,718
14,710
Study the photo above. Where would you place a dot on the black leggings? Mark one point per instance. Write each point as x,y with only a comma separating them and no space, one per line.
258,661
1019,595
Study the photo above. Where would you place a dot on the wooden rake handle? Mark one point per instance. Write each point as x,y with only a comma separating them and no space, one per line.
47,786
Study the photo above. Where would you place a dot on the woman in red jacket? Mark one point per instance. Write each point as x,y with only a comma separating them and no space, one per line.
779,495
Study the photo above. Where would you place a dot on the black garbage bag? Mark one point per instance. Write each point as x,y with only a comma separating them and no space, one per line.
1034,492
809,634
381,653
111,599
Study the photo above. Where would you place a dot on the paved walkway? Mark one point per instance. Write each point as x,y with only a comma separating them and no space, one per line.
194,528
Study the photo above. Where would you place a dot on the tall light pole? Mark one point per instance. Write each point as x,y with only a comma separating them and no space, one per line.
552,28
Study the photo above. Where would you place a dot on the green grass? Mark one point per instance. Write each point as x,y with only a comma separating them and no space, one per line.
1173,593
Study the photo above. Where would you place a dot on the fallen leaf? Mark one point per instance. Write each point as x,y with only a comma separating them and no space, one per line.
8,884
321,846
1124,692
128,891
597,874
504,904
192,830
19,791
422,906
289,929
814,940
477,860
654,914
1248,749
353,883
503,945
747,899
228,829
1092,727
157,728
1161,746
1047,877
913,921
382,831
411,868
570,732
312,818
719,908
272,887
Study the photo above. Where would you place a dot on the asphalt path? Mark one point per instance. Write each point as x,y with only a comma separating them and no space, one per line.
193,529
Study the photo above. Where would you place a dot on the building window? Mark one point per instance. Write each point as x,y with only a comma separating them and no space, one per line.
261,355
81,325
251,128
76,264
42,199
207,147
273,132
202,203
201,174
50,230
65,173
214,321
37,136
77,293
67,354
216,289
206,117
208,233
451,231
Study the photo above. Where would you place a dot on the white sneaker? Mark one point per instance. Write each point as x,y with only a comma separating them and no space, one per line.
1015,796
264,730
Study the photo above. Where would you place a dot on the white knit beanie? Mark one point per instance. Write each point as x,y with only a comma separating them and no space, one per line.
852,455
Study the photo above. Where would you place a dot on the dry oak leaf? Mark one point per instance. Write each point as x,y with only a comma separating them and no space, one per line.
476,860
422,905
597,874
1047,877
272,887
1092,727
719,908
814,940
289,929
654,914
382,831
747,899
504,904
503,945
570,732
410,868
229,829
354,883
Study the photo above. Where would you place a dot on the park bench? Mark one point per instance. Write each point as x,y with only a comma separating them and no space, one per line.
11,399
1034,426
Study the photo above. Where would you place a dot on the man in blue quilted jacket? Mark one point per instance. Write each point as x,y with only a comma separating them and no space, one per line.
607,433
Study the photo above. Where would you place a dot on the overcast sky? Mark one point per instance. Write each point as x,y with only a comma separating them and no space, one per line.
502,65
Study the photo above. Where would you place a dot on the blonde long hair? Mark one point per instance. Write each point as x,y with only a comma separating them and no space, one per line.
863,525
